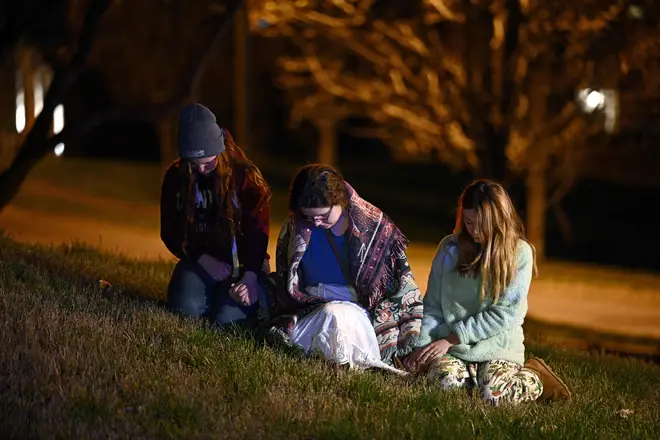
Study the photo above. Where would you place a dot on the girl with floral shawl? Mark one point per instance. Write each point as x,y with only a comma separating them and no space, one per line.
360,306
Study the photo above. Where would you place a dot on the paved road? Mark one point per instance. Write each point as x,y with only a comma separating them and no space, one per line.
591,298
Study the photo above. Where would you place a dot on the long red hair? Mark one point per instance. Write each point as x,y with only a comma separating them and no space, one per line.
227,214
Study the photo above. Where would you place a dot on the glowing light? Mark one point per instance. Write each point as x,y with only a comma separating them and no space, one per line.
635,12
611,110
58,126
604,101
591,100
20,119
594,100
58,119
38,95
20,111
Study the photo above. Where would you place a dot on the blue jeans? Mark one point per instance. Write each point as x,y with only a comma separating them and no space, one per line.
192,292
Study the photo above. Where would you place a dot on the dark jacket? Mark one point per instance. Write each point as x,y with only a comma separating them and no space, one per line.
252,241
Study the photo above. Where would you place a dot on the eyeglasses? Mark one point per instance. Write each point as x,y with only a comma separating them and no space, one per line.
323,217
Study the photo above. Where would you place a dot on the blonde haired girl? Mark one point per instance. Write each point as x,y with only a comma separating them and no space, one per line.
476,303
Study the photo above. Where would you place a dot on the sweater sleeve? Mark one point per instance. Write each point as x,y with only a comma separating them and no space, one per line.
255,219
171,227
505,314
434,325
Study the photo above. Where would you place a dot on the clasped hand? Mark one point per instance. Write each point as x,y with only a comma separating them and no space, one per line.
416,361
245,291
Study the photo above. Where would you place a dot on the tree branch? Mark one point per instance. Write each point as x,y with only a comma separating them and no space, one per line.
556,124
157,110
35,146
411,77
62,80
11,36
444,11
37,143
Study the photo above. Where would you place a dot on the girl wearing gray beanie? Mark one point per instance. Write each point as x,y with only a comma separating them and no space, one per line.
215,217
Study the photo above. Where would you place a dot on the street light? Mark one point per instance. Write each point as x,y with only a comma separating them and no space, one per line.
591,100
58,126
603,101
20,112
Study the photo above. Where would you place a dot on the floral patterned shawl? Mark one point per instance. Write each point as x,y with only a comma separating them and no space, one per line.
379,270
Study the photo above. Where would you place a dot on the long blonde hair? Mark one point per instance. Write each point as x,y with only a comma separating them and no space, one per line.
499,230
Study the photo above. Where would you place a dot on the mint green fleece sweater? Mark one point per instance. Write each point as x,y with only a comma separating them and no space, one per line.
486,331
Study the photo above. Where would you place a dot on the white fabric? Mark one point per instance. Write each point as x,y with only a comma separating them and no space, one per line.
341,331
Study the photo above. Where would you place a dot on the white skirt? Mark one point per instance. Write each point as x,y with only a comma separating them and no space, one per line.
343,333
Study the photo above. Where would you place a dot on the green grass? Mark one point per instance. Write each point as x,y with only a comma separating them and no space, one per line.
76,364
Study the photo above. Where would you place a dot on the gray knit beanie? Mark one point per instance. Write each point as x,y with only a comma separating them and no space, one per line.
199,135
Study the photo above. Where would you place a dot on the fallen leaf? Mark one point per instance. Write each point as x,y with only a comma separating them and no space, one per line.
625,413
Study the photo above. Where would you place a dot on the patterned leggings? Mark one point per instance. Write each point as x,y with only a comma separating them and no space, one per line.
498,381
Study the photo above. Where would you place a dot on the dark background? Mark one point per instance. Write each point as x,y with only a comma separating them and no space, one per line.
611,214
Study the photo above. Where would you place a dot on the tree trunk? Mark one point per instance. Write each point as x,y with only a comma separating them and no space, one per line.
537,163
34,146
166,133
29,154
537,206
242,78
327,147
492,155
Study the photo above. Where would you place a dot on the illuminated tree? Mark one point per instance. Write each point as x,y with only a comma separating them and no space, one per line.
484,85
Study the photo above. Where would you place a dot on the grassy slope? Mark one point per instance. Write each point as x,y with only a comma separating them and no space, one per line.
78,365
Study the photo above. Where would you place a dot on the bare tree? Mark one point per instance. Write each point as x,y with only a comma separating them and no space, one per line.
484,85
38,142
